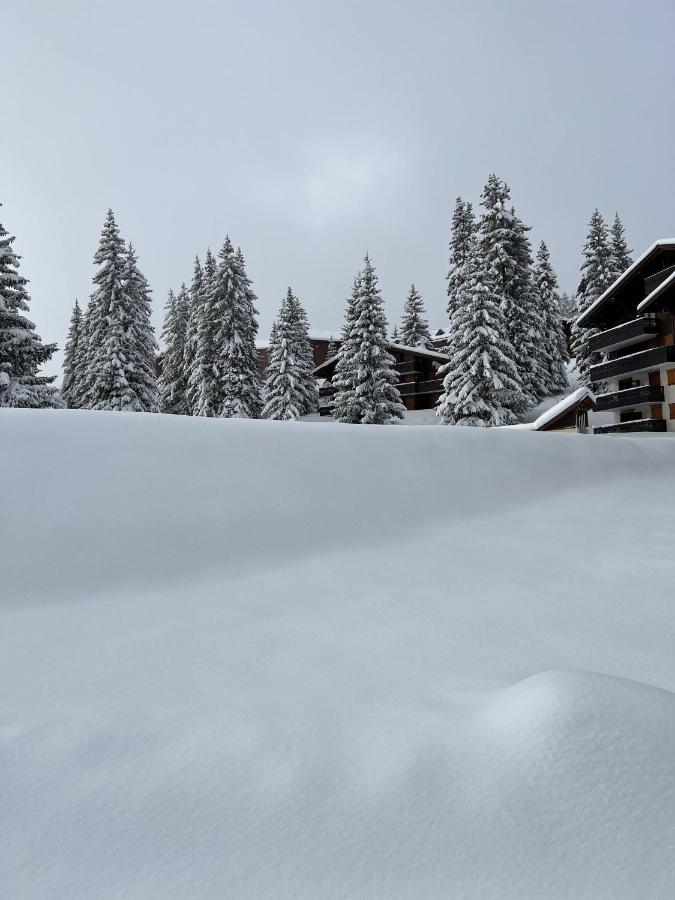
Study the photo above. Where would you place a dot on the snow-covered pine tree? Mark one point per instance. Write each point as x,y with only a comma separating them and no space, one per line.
481,375
597,274
463,230
370,395
567,306
332,348
621,255
173,380
414,324
195,312
286,385
532,353
498,253
305,356
71,354
554,340
395,336
21,349
140,336
201,381
344,379
237,382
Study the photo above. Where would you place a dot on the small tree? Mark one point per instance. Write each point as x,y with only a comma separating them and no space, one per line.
21,349
70,389
481,375
173,381
414,324
285,384
369,394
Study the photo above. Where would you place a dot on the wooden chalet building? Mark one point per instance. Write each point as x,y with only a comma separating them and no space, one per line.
320,341
419,384
569,414
636,318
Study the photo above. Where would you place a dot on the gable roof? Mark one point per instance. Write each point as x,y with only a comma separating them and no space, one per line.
566,405
656,293
416,351
623,278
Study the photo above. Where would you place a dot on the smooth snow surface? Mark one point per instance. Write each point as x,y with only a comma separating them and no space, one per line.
268,660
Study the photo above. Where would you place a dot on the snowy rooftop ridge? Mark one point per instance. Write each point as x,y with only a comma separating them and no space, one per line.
658,290
567,403
662,242
314,335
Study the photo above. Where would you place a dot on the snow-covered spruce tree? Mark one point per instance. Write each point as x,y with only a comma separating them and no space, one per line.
344,383
173,380
71,352
305,356
287,392
332,348
567,306
367,390
596,276
237,383
195,312
463,230
395,336
621,255
498,254
414,324
21,349
140,336
481,375
202,378
532,353
554,340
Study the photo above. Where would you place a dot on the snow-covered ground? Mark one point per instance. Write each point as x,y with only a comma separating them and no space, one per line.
269,660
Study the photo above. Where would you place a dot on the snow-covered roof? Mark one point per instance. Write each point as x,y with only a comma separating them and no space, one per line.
314,335
656,293
421,351
663,242
565,405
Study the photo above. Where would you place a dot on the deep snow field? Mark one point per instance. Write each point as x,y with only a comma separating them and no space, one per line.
270,660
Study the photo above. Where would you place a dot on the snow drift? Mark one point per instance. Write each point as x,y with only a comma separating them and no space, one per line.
255,659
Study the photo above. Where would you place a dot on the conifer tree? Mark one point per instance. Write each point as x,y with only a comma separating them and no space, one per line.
395,336
463,230
71,352
367,394
286,385
567,306
202,379
344,381
195,313
554,342
481,375
621,255
305,356
597,274
414,324
140,336
173,381
532,352
237,382
498,253
21,349
332,348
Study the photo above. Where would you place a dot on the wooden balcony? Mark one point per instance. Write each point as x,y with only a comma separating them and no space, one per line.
634,427
635,362
630,397
633,332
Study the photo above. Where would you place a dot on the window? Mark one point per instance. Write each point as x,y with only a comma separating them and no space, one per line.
671,376
672,410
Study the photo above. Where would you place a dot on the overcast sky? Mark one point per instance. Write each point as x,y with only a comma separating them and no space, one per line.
312,132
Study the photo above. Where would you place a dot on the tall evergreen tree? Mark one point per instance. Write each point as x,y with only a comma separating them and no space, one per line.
554,342
597,274
344,380
173,381
195,313
21,349
70,389
237,381
463,230
140,336
202,379
481,376
288,392
414,324
305,356
368,394
532,354
621,255
499,254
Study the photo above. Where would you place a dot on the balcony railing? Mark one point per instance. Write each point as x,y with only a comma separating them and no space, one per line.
406,368
637,425
407,388
647,393
635,362
653,281
430,387
624,335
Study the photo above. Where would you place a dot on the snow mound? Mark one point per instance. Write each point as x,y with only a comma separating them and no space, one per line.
260,659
